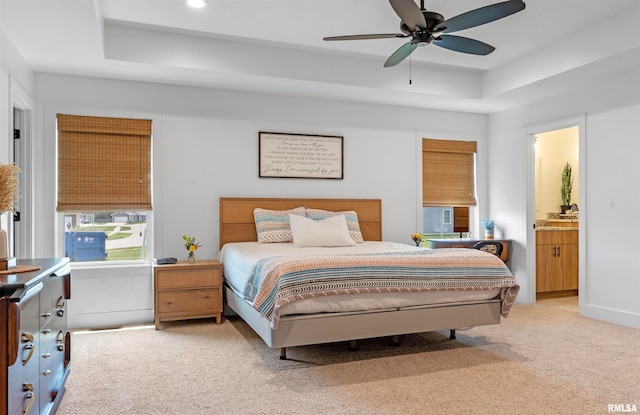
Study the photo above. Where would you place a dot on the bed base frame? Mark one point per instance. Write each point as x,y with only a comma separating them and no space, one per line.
237,225
303,329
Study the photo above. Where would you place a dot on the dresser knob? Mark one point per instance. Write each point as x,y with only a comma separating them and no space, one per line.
46,372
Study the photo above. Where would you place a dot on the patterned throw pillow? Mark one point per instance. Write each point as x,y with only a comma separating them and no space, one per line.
273,225
350,215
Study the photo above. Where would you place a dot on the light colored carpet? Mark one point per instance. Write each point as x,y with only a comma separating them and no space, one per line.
542,359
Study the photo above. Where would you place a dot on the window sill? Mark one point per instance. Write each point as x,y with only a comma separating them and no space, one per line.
110,264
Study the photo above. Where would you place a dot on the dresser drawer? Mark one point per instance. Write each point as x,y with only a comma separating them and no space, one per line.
51,379
23,374
188,301
23,385
186,278
52,300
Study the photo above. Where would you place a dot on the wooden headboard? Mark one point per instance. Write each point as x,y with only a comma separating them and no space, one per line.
237,223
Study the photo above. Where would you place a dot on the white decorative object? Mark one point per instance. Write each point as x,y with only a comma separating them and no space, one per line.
489,226
488,234
8,198
4,251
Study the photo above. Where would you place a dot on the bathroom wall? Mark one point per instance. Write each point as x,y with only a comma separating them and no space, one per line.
553,150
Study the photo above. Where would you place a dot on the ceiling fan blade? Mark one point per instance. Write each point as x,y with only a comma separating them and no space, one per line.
481,16
400,54
463,44
409,13
364,37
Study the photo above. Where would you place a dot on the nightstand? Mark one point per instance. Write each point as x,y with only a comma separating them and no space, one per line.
187,290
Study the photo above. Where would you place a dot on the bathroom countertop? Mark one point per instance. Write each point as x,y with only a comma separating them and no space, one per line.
558,222
556,228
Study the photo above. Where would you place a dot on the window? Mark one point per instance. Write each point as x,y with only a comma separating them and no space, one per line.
448,185
104,186
448,173
446,216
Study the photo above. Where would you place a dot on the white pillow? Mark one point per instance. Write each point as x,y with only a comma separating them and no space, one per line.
350,215
329,232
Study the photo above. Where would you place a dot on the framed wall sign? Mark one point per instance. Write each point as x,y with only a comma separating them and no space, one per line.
300,156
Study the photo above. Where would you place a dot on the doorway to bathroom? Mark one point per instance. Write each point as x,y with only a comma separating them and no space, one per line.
554,212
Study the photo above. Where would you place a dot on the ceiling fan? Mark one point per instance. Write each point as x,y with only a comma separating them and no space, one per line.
425,27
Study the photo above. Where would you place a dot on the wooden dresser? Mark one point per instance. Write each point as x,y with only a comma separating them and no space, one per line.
187,290
35,345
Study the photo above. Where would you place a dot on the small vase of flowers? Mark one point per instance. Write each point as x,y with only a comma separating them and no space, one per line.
417,238
191,245
489,226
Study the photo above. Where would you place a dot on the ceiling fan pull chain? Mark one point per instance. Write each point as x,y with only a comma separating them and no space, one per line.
410,76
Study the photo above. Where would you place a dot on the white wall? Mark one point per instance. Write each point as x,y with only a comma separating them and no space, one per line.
610,192
613,194
16,82
13,69
206,146
553,150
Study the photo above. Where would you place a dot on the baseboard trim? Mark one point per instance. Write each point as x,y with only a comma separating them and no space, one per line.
622,318
99,320
556,294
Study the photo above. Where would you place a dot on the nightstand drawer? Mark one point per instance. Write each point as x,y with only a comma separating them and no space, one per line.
188,301
187,278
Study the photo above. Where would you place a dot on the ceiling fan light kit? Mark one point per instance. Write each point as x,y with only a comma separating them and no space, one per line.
425,27
197,4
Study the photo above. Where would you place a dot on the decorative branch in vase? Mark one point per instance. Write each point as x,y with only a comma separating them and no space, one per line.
567,187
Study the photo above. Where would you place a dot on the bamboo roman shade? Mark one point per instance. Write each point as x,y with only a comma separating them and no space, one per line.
104,164
448,173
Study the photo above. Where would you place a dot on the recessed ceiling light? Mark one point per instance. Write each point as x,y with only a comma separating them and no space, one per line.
197,4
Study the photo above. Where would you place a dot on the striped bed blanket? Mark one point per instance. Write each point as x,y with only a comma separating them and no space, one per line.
276,281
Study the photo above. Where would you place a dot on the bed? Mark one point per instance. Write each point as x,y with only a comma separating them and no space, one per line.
326,301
